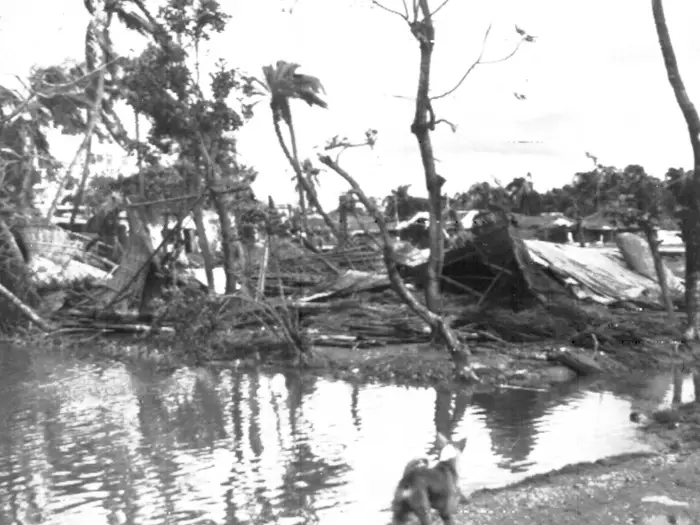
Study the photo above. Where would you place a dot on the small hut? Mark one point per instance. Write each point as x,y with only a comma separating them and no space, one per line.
601,227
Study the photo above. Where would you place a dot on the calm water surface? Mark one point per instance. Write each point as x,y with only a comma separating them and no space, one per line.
115,444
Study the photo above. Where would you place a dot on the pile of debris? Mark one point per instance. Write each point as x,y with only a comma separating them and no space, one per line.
343,297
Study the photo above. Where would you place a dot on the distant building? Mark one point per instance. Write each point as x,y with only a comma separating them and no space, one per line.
552,227
600,227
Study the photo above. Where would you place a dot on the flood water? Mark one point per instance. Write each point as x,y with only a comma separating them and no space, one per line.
114,444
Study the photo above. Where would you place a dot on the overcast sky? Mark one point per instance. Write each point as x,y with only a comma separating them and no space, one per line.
594,81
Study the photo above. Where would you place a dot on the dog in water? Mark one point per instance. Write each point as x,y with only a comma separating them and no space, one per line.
423,487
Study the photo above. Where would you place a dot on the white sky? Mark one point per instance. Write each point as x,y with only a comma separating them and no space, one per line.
594,79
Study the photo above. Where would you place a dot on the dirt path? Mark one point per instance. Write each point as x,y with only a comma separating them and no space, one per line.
635,490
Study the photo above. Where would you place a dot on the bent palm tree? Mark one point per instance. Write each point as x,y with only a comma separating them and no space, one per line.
284,84
102,60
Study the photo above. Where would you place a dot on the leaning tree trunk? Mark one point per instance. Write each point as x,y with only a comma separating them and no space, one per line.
654,243
222,204
690,220
423,122
96,52
204,247
124,288
304,222
305,187
459,352
83,181
15,305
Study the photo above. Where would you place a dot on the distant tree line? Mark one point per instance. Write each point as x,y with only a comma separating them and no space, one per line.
603,189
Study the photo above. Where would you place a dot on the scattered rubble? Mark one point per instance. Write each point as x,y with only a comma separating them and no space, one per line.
343,297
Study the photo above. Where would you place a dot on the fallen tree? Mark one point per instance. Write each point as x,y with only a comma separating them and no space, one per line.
25,310
16,287
458,351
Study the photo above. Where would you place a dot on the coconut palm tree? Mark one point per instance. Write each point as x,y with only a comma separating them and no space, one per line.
284,84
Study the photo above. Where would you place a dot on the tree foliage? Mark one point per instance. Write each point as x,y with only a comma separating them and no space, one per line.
162,85
54,97
628,194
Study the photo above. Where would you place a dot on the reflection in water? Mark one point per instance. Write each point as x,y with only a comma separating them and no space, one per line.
511,417
81,443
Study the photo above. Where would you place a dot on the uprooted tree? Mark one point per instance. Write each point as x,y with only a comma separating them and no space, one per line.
439,326
688,189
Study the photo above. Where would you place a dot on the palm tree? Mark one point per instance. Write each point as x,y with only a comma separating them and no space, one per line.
284,83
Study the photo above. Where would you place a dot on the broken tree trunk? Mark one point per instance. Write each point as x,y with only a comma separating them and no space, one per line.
25,310
125,287
577,360
15,279
654,243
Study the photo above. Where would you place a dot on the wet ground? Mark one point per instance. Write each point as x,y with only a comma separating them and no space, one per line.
648,490
656,490
117,443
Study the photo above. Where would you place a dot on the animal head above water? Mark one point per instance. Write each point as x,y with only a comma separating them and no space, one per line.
450,450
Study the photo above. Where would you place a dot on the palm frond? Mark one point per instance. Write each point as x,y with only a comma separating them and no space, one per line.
151,20
133,20
307,87
8,95
285,83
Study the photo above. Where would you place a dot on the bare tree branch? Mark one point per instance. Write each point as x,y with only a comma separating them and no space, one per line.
388,10
405,8
344,143
470,69
453,127
503,59
443,4
395,278
480,61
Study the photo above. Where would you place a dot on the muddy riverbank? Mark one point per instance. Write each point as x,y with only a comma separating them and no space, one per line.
656,488
631,343
640,490
635,489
